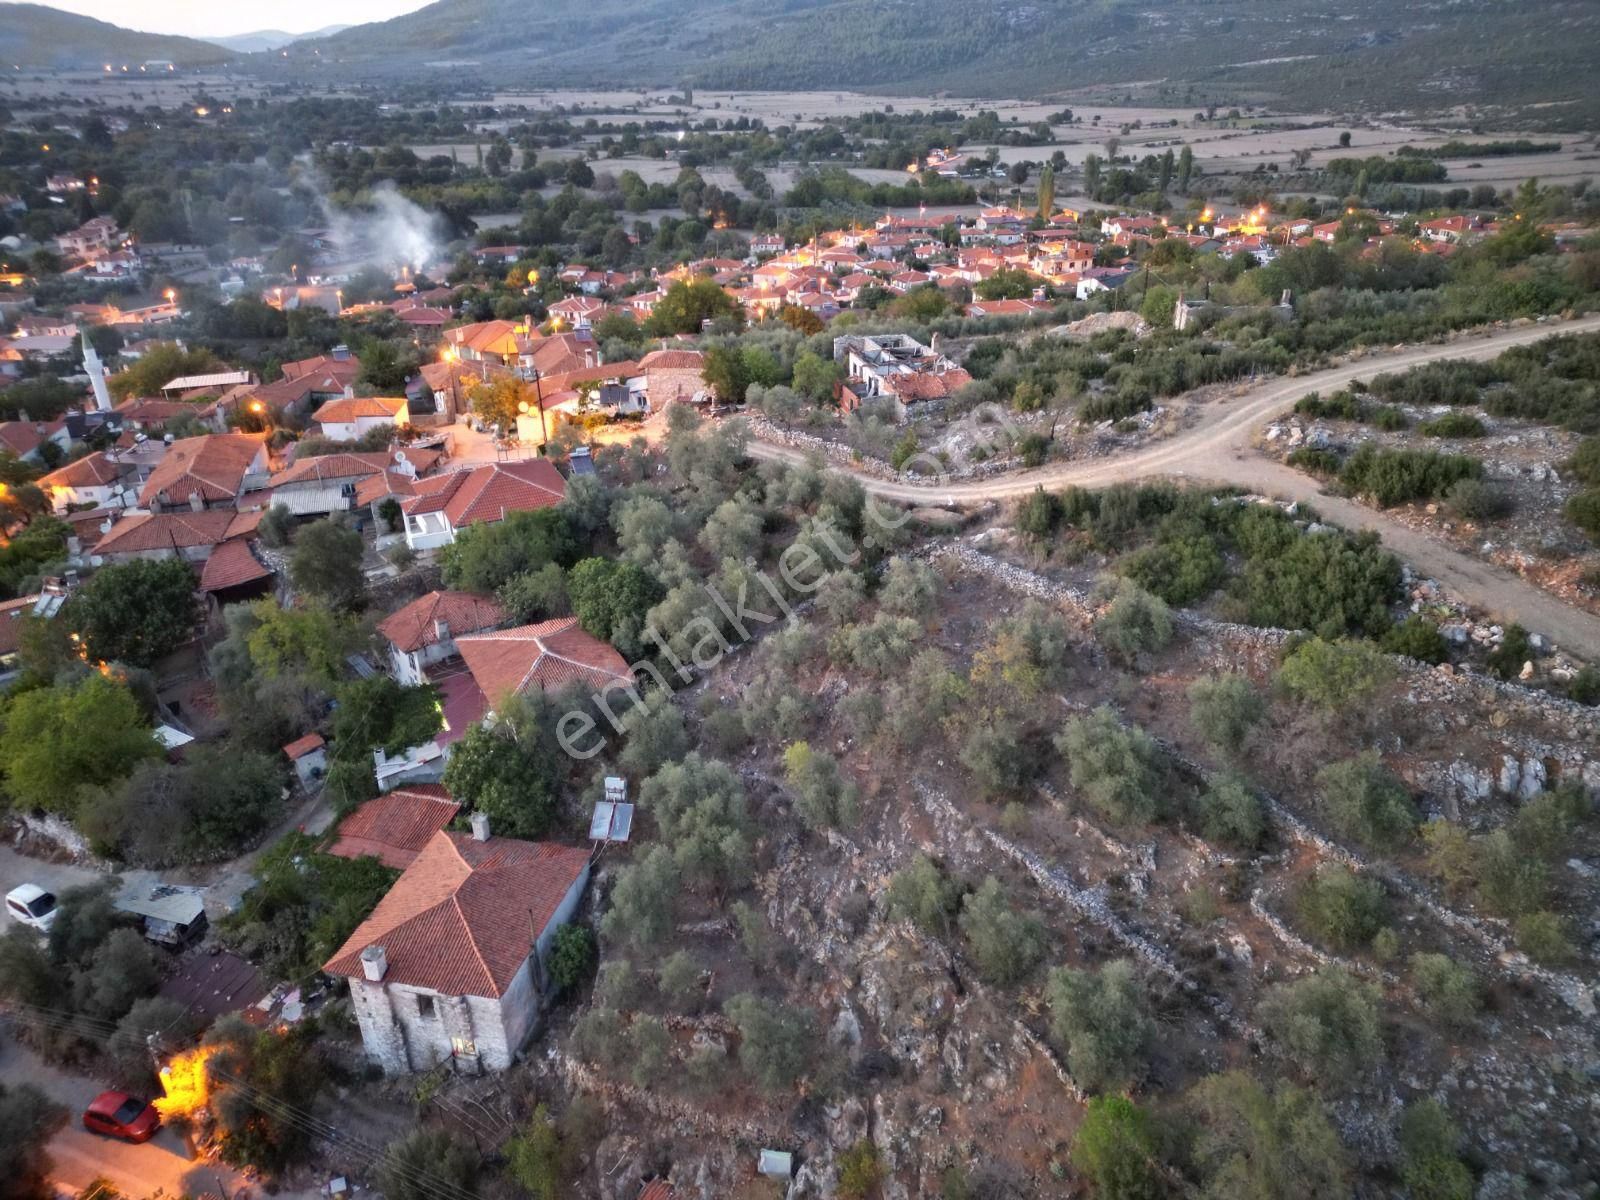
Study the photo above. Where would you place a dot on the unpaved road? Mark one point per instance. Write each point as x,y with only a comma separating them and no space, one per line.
1217,450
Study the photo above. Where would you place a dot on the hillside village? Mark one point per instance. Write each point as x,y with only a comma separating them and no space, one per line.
620,713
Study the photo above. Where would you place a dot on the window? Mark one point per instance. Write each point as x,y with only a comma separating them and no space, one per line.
463,1047
424,1006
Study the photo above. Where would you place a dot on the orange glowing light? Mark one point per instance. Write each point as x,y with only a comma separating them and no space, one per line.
257,407
185,1083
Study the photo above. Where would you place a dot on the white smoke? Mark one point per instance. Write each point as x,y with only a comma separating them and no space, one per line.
393,233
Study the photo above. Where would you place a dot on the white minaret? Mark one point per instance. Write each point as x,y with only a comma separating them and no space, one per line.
97,376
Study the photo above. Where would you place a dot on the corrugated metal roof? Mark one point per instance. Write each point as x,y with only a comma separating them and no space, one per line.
215,379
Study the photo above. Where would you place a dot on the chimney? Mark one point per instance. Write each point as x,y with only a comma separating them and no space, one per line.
197,502
441,629
480,827
374,963
341,353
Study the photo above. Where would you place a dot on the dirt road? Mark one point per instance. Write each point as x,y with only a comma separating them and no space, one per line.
1217,450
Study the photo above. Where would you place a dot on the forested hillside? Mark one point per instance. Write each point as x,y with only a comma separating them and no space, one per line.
32,35
1356,53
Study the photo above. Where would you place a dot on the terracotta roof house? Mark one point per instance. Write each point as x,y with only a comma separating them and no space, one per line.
327,483
233,572
347,419
302,393
450,966
209,471
1006,308
23,438
547,656
424,631
96,479
147,412
394,828
444,504
191,536
672,375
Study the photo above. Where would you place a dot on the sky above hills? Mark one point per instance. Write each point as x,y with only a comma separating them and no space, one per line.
206,18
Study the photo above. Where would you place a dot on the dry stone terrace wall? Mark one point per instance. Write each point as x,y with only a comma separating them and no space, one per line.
1226,646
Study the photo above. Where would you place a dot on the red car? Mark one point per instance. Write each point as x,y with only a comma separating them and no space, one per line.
119,1115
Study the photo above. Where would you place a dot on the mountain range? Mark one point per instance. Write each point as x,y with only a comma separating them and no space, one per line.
263,40
1342,55
1303,53
32,35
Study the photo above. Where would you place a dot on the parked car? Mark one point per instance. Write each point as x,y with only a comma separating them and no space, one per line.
119,1115
33,906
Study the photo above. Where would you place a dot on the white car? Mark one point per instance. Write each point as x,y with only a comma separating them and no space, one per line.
33,906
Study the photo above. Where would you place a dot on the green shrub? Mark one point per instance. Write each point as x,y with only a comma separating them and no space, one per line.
1115,1148
1449,991
1389,418
1515,649
1255,1144
572,954
1333,584
1135,623
861,1170
1478,500
1322,463
922,892
1038,515
1116,769
1180,572
1326,1023
1364,800
1393,477
1453,425
1584,687
1231,813
1584,465
1543,938
1342,908
1334,676
1101,1020
1419,638
1583,510
1429,1165
1225,708
1006,944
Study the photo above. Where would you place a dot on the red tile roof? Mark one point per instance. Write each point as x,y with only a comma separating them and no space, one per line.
464,916
167,531
342,410
324,364
232,564
415,626
673,360
658,1189
11,614
382,485
94,470
489,492
354,465
20,437
303,746
213,465
395,827
547,656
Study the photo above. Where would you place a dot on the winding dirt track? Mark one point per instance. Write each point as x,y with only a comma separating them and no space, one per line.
1217,450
